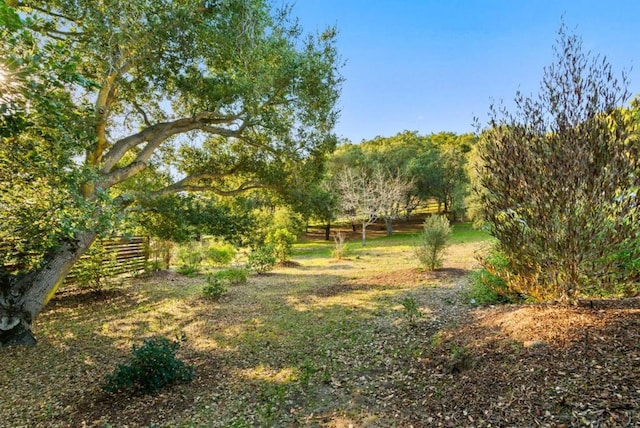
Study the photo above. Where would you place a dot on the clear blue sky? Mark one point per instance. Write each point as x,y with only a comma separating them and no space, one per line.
432,65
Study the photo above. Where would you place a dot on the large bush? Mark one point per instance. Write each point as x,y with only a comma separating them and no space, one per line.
561,175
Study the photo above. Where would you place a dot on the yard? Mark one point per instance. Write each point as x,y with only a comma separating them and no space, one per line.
328,343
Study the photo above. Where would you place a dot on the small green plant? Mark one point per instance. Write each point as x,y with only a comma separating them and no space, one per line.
340,249
460,359
232,276
433,241
411,309
281,240
220,254
306,372
261,260
214,289
150,367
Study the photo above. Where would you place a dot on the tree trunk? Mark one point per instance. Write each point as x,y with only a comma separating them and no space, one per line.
327,231
22,298
389,224
364,234
353,227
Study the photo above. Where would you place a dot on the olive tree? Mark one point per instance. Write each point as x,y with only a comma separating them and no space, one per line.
219,96
561,177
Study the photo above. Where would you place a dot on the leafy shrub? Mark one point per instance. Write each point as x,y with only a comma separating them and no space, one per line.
261,260
220,254
94,270
190,258
488,285
232,276
561,189
624,278
433,241
282,242
149,368
214,289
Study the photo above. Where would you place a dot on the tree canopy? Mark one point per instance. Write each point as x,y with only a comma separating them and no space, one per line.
115,103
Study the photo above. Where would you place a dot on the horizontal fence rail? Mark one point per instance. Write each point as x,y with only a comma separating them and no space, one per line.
117,255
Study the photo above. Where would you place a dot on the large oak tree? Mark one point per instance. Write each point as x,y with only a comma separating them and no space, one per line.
112,103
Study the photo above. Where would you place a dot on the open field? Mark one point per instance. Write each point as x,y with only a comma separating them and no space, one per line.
327,343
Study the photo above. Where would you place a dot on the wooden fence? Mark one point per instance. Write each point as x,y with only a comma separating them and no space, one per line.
117,255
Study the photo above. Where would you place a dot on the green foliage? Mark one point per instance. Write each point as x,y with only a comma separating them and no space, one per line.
459,359
410,309
285,218
561,177
261,260
433,241
214,289
193,257
182,218
93,271
220,254
232,276
186,270
281,240
487,284
190,258
150,367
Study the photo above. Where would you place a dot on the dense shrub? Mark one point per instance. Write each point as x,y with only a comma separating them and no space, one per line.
281,240
214,289
561,176
261,260
149,368
220,254
433,241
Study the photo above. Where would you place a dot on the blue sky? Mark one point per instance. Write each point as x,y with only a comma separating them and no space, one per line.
432,65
